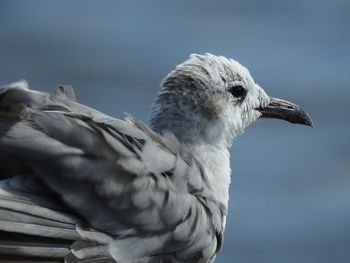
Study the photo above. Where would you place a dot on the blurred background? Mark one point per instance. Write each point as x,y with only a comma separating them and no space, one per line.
290,192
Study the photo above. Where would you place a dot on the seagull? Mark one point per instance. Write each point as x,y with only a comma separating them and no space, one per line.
80,186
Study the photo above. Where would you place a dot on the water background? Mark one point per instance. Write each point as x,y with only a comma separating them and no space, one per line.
290,192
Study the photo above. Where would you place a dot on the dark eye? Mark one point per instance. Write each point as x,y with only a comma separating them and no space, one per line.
238,91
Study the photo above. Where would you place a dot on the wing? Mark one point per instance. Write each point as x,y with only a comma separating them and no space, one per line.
123,179
36,226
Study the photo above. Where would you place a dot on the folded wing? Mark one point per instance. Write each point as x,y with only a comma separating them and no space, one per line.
142,190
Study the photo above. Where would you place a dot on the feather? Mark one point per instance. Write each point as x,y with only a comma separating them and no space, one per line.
114,189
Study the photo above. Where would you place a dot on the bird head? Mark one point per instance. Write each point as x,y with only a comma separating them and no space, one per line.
213,99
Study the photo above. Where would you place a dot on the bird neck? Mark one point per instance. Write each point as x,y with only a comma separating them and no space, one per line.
215,161
207,141
191,128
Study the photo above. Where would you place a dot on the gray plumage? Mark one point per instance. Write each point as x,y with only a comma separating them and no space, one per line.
81,186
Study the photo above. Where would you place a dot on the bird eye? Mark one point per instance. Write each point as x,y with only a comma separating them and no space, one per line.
238,91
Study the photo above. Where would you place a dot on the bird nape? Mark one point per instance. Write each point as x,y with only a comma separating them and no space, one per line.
80,186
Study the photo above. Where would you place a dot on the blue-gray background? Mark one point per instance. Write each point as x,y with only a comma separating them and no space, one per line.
290,192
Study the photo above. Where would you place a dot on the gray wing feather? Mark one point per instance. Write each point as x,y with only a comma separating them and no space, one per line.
141,188
66,92
35,224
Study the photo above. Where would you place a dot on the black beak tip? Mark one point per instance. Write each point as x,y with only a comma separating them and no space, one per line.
300,116
307,121
310,123
303,119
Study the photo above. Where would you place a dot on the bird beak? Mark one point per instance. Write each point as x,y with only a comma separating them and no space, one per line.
285,110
